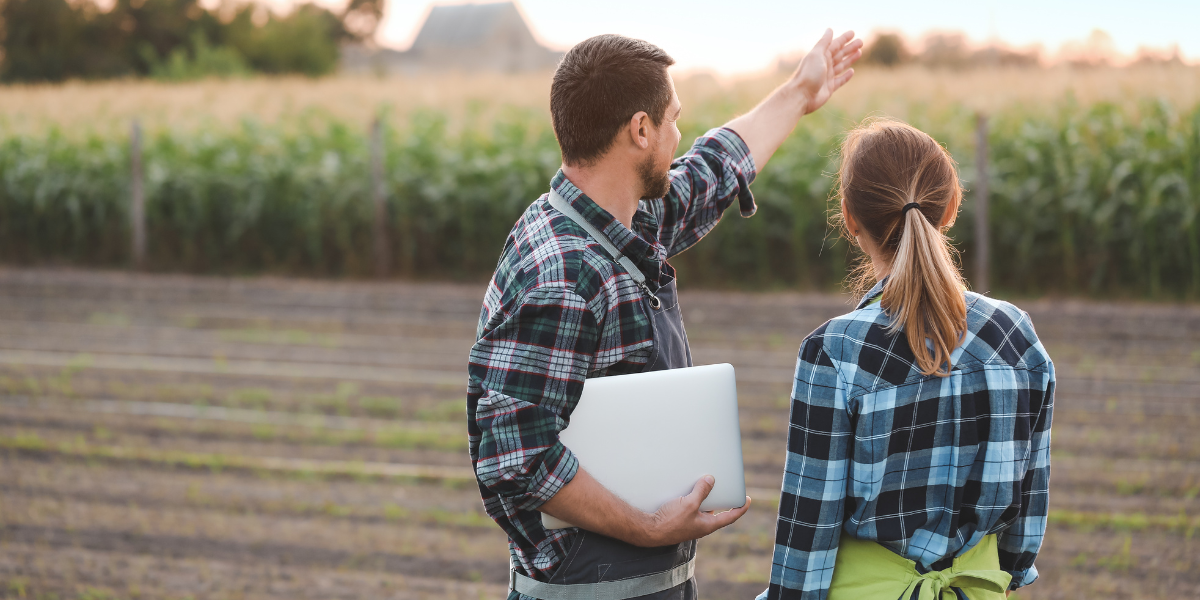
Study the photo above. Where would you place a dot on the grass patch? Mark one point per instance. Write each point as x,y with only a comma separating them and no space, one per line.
265,432
101,433
344,401
91,593
380,407
1089,521
1131,488
216,463
1123,560
284,337
61,384
449,410
25,441
109,319
438,516
255,398
411,439
17,586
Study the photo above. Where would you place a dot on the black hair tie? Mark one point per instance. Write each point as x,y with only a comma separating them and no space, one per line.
908,207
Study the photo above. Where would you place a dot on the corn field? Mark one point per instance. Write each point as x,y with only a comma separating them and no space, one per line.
1097,199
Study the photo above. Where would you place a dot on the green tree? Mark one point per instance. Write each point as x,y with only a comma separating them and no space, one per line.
887,49
53,40
156,28
201,60
304,41
43,40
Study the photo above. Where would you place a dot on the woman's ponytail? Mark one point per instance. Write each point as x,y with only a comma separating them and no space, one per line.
901,187
924,294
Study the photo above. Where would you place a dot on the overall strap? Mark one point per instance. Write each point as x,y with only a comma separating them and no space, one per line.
561,205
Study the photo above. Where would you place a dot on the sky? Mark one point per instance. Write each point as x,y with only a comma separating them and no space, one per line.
731,36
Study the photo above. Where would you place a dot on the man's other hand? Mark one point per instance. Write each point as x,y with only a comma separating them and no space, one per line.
681,519
826,68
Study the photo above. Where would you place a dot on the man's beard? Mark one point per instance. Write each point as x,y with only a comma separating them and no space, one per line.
656,182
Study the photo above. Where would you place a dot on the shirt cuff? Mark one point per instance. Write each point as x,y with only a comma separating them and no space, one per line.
1021,579
727,141
558,468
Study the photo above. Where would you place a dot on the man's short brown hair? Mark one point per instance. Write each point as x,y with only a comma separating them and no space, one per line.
599,85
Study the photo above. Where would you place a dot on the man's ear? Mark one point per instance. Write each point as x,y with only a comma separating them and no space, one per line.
639,129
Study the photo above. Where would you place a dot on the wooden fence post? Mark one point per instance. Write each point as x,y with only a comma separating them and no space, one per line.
982,244
379,197
137,198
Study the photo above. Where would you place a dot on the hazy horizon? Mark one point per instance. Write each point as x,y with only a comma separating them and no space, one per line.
756,33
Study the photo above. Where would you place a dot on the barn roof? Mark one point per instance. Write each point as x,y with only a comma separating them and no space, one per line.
470,37
465,25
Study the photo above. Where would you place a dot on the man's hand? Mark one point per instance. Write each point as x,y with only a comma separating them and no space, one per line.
585,503
681,520
826,68
819,75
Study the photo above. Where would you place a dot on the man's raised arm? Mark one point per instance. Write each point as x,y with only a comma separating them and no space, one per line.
721,165
822,71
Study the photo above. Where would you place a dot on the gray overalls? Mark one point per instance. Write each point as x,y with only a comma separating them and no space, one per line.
599,567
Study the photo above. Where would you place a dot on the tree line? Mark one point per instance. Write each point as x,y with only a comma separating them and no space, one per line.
55,40
954,51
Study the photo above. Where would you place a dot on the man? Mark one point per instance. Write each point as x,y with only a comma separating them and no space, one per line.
582,289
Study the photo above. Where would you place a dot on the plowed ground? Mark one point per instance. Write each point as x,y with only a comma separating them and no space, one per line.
178,437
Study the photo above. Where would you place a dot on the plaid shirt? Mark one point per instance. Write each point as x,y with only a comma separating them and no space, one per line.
559,310
925,465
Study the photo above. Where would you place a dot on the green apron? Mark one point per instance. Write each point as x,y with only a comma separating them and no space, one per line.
865,570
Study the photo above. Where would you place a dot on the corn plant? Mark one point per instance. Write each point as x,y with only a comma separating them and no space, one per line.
1097,199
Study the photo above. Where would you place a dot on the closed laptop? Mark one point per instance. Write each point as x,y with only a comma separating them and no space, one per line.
649,437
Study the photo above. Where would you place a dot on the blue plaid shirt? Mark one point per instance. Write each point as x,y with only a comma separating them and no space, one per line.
926,466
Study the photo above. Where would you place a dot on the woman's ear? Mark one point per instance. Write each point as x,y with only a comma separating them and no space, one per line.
851,226
949,215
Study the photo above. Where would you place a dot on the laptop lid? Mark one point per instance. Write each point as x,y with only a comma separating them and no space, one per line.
649,437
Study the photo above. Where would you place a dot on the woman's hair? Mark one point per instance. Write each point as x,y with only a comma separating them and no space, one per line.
886,165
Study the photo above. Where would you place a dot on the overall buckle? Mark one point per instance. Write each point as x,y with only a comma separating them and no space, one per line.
655,303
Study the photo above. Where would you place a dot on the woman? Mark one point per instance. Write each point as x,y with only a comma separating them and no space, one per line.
918,456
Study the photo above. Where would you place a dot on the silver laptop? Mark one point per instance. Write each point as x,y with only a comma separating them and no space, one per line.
649,437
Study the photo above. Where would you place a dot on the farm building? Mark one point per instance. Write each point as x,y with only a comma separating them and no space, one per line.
464,37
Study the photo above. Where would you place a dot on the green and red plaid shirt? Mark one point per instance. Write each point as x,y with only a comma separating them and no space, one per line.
558,311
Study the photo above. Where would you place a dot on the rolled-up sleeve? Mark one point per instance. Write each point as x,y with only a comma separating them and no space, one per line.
812,501
1020,543
527,375
704,182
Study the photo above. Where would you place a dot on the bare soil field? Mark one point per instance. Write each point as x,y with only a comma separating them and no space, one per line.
183,437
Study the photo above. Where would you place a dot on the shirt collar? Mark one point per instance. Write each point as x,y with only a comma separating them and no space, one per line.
876,290
627,242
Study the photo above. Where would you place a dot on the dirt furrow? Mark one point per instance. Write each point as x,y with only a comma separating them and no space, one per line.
39,571
219,366
262,552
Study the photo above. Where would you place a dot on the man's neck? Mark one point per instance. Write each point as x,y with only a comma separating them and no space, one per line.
612,187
